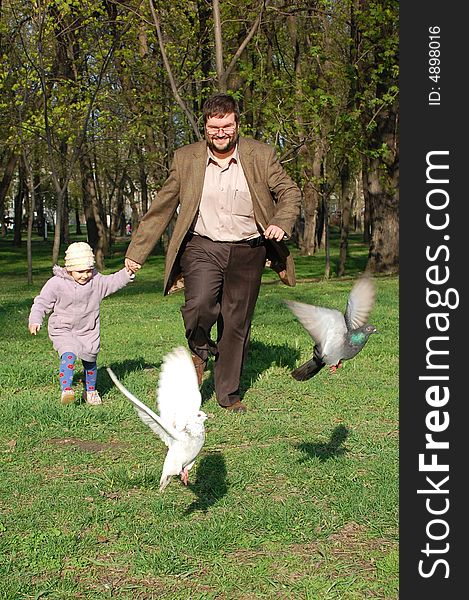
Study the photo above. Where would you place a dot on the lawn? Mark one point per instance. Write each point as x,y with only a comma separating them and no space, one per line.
296,499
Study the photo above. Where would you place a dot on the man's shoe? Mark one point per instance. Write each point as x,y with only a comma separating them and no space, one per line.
199,365
68,397
237,407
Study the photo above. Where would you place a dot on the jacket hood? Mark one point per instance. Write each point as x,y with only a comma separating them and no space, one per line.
63,273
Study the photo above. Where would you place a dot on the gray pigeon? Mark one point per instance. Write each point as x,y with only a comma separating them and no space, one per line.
180,424
337,336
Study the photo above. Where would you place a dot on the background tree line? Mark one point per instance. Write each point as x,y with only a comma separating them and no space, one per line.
97,94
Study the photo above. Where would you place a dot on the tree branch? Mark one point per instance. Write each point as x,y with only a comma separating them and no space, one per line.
172,82
246,41
218,38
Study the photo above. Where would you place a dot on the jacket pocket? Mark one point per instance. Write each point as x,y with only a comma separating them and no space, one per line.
60,321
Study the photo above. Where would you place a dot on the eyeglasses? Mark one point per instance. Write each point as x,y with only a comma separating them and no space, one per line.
215,130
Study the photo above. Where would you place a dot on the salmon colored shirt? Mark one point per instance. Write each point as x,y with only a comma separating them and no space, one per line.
226,213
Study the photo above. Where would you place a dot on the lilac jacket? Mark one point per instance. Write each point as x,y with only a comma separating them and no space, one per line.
74,322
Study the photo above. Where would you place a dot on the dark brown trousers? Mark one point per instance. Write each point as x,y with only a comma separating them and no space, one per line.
221,284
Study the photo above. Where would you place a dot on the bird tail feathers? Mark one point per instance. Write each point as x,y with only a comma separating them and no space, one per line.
165,479
166,432
308,369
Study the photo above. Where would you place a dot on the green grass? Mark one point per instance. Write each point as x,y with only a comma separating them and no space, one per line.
297,499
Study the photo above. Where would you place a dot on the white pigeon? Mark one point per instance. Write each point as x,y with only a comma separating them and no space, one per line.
180,423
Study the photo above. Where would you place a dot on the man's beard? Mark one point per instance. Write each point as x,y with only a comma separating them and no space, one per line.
230,144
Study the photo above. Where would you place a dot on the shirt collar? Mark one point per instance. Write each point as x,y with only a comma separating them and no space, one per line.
212,158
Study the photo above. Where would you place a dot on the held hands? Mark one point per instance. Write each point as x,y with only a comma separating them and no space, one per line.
274,233
131,265
34,328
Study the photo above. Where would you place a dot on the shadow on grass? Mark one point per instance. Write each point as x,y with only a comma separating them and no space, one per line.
326,451
105,383
210,484
10,312
260,358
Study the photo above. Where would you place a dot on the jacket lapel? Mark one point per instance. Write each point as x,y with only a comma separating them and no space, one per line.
246,158
196,171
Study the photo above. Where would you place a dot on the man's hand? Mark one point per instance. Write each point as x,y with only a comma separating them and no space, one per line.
274,233
131,265
34,328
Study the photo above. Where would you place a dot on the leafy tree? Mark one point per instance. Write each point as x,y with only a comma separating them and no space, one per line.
97,94
377,40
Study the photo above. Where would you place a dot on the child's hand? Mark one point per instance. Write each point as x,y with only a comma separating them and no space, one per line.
34,328
131,265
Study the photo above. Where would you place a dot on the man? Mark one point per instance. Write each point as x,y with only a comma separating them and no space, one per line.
236,205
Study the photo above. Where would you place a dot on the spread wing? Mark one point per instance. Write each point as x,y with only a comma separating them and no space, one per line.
164,431
179,398
321,323
360,302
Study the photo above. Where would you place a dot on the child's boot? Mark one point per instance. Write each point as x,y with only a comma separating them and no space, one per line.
92,398
68,397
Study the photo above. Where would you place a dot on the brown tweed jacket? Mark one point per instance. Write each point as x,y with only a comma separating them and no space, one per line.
276,199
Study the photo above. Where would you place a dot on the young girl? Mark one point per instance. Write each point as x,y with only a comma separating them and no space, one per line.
73,295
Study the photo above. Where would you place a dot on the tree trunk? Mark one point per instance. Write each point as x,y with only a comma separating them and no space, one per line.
134,205
77,222
95,225
203,12
358,213
327,266
65,238
117,212
311,198
346,204
5,185
367,201
31,206
143,175
384,209
310,207
320,225
19,200
383,189
377,35
39,201
57,225
60,180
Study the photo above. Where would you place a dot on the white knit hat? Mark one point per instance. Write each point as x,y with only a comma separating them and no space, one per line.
79,257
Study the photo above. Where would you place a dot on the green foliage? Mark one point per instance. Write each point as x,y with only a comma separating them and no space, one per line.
305,81
296,499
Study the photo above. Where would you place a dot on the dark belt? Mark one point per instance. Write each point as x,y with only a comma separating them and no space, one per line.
253,242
